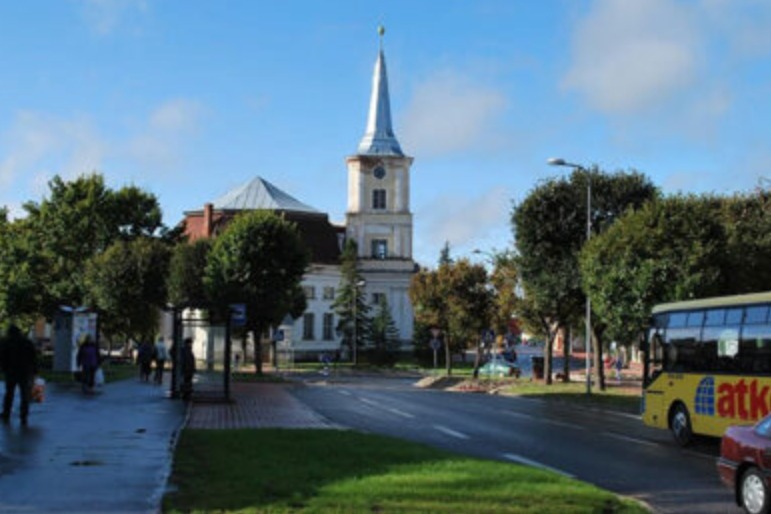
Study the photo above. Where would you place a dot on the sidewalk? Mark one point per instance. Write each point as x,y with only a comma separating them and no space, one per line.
112,452
101,453
256,405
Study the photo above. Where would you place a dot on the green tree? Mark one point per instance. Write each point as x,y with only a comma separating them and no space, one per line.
746,220
127,284
21,269
384,335
430,301
444,255
81,219
455,299
186,275
672,249
504,280
350,305
470,305
259,261
550,230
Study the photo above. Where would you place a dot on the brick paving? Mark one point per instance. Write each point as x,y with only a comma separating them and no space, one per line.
256,405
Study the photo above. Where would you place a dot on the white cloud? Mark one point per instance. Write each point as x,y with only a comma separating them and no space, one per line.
631,55
37,144
744,25
104,16
463,219
450,113
162,141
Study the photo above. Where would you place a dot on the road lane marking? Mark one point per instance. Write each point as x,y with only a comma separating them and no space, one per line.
529,462
519,415
563,424
344,392
401,413
450,431
369,402
630,439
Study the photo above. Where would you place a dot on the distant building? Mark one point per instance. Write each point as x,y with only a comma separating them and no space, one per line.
378,218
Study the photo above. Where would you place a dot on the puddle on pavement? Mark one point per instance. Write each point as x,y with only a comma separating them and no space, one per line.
86,463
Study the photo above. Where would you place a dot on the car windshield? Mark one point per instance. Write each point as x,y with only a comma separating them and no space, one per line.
763,428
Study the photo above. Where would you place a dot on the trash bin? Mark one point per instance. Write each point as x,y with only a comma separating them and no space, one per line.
537,366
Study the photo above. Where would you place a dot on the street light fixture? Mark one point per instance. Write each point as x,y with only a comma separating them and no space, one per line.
356,286
555,161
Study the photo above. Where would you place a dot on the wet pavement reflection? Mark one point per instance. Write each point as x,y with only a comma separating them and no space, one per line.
107,452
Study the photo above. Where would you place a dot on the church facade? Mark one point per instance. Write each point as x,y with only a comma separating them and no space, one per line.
378,218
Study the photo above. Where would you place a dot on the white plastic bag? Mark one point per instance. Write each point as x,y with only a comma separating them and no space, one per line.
38,392
99,377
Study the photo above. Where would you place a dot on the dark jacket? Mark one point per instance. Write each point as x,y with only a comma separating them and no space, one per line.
19,357
88,355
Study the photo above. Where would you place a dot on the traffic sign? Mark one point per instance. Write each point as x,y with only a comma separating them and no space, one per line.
238,314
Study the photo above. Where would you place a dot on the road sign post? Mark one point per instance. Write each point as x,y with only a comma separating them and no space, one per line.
435,344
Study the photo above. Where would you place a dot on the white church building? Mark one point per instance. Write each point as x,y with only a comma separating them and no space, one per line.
378,218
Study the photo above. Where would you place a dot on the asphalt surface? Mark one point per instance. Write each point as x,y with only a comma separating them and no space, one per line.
106,452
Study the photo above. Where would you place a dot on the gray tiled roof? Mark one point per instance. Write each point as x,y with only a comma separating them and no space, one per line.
260,194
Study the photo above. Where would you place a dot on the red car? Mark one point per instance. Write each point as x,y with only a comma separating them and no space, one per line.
745,465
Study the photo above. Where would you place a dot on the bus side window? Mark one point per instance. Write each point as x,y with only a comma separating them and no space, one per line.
755,349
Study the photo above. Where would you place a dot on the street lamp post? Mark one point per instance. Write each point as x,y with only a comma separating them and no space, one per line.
356,286
588,336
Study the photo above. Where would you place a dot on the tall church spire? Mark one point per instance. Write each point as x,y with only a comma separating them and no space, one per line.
379,138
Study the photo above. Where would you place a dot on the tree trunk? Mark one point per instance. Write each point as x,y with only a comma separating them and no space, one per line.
478,359
645,349
566,355
447,355
547,361
256,335
599,363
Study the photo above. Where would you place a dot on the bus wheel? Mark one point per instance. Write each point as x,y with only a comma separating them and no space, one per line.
680,422
754,493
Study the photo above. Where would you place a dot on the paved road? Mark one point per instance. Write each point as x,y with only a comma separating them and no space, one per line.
614,451
109,452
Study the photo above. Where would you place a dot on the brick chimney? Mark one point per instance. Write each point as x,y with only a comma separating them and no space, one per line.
208,213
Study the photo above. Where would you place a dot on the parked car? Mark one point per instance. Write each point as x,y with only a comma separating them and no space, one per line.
499,367
744,465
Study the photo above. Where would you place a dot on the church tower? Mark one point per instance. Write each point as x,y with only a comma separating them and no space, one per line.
378,216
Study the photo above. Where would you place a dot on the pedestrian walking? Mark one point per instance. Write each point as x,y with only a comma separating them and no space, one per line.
145,355
18,358
188,368
87,359
161,356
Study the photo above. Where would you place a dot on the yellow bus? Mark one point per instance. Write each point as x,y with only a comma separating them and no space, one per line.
708,365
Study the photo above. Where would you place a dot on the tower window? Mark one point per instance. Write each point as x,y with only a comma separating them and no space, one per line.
379,199
379,248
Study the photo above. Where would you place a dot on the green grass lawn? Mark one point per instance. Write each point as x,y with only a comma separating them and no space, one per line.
626,399
335,471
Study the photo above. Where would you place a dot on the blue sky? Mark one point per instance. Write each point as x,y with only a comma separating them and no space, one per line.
189,99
